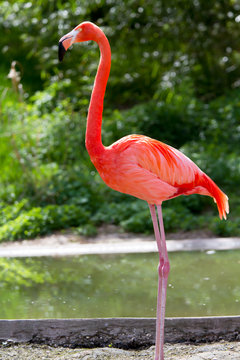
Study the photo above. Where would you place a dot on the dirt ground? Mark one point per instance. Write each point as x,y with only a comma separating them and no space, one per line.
215,351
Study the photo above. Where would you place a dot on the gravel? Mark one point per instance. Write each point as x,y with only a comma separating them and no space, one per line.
215,351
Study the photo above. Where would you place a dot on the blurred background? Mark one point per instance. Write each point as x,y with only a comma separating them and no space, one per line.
175,76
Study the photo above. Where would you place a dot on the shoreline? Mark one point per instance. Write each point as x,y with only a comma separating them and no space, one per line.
108,243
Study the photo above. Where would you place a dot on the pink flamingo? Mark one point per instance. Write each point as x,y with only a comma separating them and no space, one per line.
140,166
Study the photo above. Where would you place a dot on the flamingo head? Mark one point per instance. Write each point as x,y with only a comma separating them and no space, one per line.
83,32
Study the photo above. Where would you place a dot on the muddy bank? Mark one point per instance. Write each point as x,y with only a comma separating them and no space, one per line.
124,333
215,351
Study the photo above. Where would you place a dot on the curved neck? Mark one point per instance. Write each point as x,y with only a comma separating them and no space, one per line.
94,121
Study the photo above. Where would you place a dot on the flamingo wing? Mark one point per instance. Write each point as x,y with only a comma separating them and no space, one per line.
149,169
134,180
153,171
168,163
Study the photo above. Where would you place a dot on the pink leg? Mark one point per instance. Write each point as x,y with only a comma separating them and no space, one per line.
163,271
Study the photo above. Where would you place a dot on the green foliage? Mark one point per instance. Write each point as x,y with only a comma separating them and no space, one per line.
10,212
40,221
161,119
52,168
167,40
174,77
225,228
86,230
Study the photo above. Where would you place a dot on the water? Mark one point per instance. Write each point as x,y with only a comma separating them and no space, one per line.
200,284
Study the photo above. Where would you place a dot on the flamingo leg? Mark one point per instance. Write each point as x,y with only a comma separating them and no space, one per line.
163,271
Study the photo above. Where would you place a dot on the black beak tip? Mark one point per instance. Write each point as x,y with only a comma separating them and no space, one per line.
61,51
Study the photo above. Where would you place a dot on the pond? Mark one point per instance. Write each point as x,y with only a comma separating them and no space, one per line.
200,284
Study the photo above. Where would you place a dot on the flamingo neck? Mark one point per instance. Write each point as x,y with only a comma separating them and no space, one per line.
94,121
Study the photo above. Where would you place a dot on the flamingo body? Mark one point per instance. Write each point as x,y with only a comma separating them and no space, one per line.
140,166
153,171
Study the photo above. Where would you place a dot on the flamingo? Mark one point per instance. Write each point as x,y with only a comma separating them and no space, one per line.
140,166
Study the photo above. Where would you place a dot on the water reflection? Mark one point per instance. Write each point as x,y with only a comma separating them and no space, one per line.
200,283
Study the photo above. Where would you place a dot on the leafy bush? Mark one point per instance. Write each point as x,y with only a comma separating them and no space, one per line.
40,221
86,230
225,228
10,212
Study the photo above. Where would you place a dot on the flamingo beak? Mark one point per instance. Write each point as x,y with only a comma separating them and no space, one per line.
65,42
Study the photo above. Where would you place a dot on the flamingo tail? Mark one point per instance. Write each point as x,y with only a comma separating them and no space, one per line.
219,197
